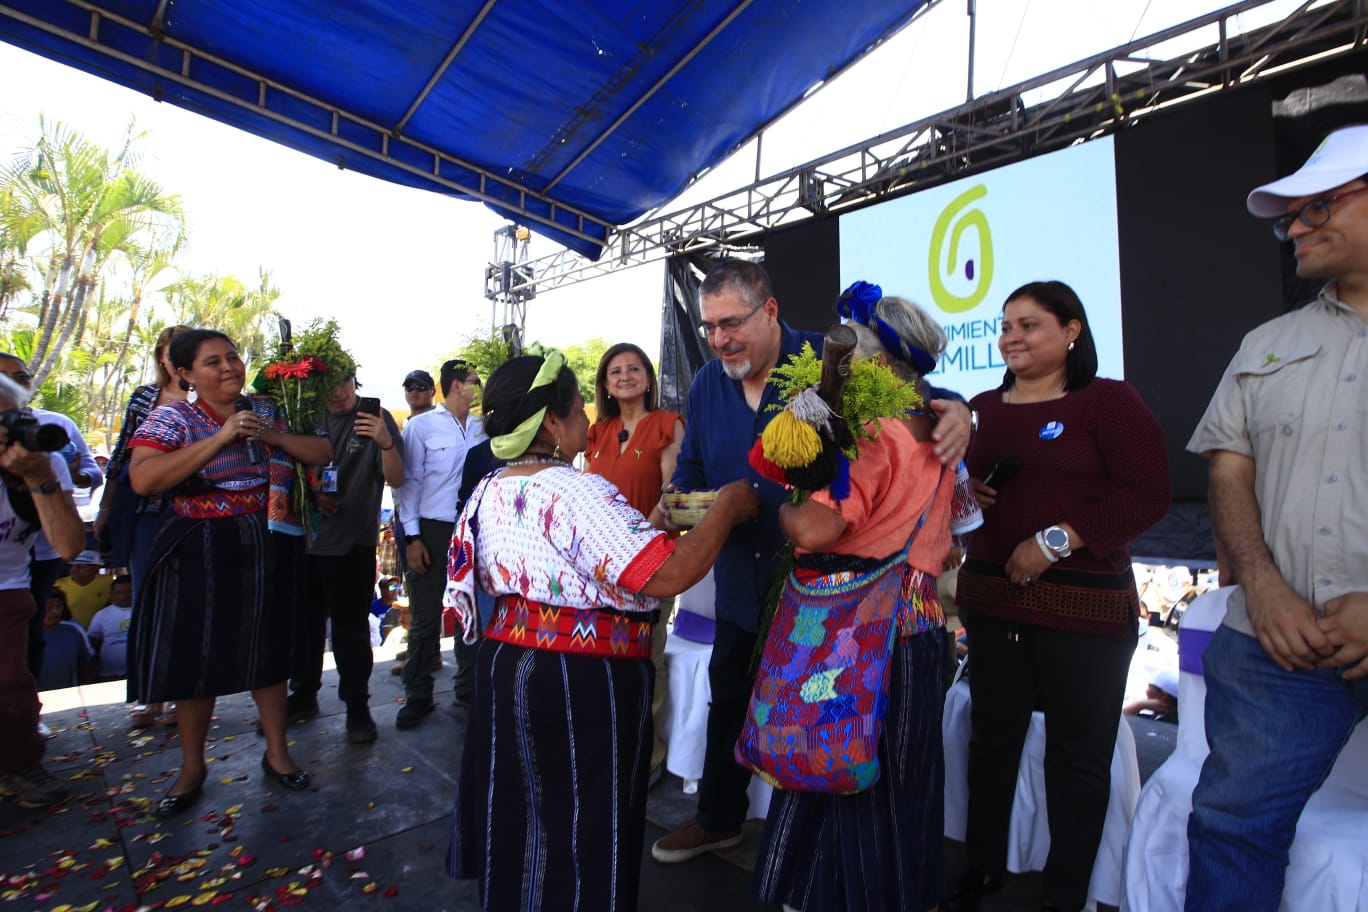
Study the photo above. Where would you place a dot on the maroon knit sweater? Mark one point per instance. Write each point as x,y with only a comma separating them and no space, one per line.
1095,459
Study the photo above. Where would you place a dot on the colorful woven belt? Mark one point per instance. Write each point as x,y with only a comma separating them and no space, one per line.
217,504
577,631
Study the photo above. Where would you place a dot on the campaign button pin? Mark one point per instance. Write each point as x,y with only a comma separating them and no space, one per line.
1051,429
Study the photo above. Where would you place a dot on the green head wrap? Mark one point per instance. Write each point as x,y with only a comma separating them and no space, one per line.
515,442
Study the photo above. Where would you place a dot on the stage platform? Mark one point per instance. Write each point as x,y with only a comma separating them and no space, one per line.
372,830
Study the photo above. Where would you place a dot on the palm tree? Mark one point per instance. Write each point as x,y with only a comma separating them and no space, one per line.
145,264
224,303
87,207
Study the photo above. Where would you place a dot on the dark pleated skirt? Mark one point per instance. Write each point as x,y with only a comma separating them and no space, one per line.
215,614
551,808
880,849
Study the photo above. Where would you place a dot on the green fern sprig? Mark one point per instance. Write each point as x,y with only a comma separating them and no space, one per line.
872,392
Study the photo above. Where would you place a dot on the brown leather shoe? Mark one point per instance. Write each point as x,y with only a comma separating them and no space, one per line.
690,841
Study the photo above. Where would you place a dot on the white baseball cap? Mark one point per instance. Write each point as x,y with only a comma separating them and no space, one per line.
88,557
1341,157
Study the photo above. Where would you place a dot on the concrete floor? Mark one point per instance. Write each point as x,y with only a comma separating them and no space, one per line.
372,830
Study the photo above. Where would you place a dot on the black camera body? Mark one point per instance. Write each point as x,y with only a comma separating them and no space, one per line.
24,428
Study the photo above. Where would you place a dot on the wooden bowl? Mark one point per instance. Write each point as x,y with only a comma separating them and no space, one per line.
686,508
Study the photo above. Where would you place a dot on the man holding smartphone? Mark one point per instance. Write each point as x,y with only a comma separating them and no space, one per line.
368,455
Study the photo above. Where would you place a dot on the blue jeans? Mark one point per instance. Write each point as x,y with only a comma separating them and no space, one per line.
1274,736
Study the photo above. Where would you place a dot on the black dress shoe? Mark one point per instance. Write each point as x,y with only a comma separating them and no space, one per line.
175,805
295,781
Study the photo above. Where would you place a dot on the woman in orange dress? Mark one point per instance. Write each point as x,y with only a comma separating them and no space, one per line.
634,444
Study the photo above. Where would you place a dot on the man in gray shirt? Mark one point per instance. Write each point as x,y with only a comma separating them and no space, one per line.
1287,673
368,454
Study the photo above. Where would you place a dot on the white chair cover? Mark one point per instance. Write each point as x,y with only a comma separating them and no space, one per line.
1328,867
684,728
1028,842
695,611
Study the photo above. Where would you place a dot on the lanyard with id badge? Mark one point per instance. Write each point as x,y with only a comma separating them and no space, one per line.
366,405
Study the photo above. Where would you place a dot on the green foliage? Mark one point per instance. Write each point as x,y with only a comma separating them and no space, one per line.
485,351
583,359
872,391
320,339
71,215
489,349
83,237
244,313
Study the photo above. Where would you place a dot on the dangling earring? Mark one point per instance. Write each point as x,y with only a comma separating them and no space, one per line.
1071,345
556,453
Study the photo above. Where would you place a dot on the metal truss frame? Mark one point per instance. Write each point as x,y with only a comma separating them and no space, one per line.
1100,95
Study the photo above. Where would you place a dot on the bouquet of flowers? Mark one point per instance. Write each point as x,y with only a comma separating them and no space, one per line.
301,378
809,445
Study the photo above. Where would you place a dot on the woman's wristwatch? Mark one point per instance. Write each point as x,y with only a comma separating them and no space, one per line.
1054,542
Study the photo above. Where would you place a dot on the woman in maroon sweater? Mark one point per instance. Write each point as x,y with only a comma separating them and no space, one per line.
1047,592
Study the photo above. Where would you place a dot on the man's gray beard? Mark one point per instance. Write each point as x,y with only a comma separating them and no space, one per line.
737,370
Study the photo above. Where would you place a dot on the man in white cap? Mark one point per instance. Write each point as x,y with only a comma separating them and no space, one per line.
1287,673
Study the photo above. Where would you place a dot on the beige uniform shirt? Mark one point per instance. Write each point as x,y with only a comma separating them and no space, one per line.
1295,399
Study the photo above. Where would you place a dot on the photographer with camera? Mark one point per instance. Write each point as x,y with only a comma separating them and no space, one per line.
64,437
37,495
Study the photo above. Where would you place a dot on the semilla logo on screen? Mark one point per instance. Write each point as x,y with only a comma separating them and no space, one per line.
954,220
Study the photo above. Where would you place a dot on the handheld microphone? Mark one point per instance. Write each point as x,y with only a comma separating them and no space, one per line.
253,451
1003,472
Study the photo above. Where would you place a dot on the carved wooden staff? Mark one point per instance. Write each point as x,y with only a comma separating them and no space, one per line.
837,349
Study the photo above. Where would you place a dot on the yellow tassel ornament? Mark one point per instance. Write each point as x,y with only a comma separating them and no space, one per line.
789,442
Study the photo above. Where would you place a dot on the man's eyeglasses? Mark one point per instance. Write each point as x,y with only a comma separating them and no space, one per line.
729,325
413,387
1313,214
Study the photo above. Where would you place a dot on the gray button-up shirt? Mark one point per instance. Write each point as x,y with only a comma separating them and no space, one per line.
1294,400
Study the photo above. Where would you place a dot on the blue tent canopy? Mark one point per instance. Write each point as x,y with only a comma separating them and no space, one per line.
575,117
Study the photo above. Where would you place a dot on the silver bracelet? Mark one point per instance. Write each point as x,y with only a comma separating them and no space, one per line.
1044,548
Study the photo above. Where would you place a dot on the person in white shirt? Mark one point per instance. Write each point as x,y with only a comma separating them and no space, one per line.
46,564
109,629
36,494
435,444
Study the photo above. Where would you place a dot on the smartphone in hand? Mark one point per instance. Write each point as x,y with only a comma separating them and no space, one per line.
368,405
